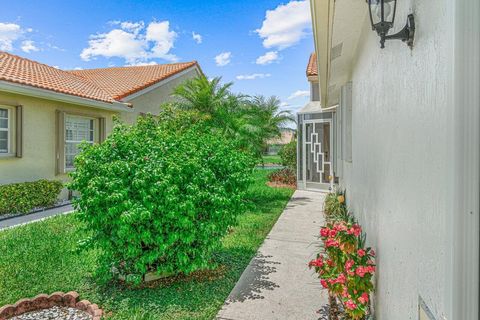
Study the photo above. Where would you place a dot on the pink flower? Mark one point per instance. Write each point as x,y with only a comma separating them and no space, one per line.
331,243
360,271
345,292
361,252
324,232
371,269
324,283
341,278
340,226
355,229
350,305
316,263
372,253
348,265
364,298
332,233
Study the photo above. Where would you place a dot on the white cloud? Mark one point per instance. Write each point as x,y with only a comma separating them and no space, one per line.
223,59
267,58
284,104
134,27
78,68
197,37
139,64
298,94
29,46
253,76
9,33
285,25
133,42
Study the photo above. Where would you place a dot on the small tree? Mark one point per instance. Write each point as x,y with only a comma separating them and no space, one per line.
159,195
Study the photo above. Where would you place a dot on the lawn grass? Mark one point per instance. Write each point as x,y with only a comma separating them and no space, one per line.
271,159
43,257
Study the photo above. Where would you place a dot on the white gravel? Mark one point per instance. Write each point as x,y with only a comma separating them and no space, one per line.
55,313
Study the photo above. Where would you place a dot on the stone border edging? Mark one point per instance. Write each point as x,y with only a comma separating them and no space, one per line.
9,216
44,301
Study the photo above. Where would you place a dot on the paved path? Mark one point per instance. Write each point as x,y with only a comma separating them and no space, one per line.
34,216
277,284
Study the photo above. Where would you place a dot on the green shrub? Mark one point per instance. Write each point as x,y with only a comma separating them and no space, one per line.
288,154
158,196
26,196
335,207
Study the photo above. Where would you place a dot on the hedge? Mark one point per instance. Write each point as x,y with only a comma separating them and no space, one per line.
26,196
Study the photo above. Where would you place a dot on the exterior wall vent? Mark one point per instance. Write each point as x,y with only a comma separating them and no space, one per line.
336,51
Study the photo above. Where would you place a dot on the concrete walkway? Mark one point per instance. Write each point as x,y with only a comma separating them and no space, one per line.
278,284
37,216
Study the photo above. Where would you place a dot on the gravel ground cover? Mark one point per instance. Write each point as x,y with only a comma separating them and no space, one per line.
55,313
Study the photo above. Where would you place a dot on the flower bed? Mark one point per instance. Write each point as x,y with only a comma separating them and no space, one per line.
345,266
283,177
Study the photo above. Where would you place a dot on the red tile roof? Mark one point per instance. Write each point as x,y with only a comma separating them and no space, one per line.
312,69
124,81
106,85
27,72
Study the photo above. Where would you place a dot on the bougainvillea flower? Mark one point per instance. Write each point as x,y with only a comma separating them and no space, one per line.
361,252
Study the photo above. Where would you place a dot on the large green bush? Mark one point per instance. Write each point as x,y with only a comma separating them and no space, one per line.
288,154
26,196
159,195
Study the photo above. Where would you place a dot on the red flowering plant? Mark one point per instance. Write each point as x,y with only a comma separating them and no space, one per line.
347,267
359,270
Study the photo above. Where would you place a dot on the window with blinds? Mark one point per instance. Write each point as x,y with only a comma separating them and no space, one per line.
4,131
77,130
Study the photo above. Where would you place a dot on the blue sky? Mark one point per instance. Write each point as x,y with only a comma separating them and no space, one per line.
262,46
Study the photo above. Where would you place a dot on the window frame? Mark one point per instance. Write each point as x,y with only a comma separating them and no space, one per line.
8,130
95,130
14,131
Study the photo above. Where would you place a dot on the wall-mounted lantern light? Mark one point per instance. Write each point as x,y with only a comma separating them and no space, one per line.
382,16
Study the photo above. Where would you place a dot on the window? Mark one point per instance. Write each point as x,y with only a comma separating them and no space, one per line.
77,130
4,130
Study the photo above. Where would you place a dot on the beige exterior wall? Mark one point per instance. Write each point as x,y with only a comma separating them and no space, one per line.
151,101
39,138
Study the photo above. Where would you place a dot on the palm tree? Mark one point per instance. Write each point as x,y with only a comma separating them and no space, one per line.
265,121
251,121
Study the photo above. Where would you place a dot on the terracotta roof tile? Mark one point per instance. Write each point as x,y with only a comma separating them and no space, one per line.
120,82
312,69
27,72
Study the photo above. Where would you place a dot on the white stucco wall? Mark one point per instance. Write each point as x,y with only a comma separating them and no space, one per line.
399,179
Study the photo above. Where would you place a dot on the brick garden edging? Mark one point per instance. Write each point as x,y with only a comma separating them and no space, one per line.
44,301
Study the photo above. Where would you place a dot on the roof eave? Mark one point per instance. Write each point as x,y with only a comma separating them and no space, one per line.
322,21
62,97
160,83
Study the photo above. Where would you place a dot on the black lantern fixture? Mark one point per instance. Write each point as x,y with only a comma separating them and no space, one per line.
382,16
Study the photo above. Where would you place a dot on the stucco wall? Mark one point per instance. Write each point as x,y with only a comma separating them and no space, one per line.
150,102
39,138
398,181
